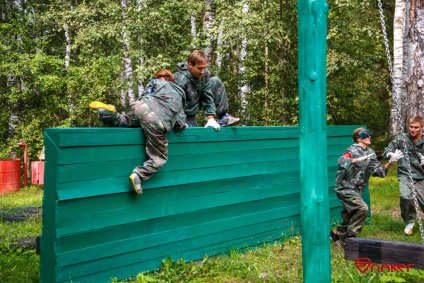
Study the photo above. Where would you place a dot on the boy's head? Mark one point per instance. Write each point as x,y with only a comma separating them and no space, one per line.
361,133
197,62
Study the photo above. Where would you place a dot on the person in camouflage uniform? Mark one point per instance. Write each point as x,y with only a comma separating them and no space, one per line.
157,111
415,150
357,164
203,91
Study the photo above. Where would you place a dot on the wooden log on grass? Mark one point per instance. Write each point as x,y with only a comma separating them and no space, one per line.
385,252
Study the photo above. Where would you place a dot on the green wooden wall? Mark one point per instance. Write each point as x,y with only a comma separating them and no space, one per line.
234,188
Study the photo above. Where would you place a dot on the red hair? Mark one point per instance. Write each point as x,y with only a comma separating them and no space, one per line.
165,74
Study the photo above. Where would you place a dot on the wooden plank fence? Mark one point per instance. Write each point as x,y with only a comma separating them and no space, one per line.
219,190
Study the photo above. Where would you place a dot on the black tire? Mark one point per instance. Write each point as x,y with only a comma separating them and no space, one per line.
19,214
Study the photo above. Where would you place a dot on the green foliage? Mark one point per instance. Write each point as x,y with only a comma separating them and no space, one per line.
357,74
37,89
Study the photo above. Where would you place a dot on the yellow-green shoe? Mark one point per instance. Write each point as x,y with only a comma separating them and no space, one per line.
136,183
100,107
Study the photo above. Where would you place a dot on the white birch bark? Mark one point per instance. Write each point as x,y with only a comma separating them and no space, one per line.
219,45
415,59
128,71
193,29
68,58
140,86
399,90
68,46
245,89
14,118
207,24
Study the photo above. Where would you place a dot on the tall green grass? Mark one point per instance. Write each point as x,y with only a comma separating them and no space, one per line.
279,261
19,264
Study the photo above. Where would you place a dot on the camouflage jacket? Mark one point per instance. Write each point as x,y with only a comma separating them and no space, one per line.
166,99
413,149
355,176
198,91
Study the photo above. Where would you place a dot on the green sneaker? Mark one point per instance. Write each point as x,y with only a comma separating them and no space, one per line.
136,183
102,108
107,112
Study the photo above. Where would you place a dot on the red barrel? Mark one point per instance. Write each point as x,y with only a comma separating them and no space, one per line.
10,175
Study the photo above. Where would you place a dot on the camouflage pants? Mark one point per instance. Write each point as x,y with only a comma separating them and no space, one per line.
220,100
220,96
354,212
142,116
407,207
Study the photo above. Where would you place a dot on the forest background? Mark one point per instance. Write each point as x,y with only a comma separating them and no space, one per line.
58,56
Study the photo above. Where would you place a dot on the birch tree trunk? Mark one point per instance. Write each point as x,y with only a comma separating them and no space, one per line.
128,71
207,24
13,107
141,60
68,58
193,25
14,116
245,89
399,90
415,58
408,62
219,45
266,69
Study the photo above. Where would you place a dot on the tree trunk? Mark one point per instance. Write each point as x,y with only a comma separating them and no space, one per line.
207,24
219,45
141,60
415,43
128,71
245,89
399,93
68,59
193,25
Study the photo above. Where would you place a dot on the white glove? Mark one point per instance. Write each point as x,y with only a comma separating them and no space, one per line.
421,159
212,123
395,156
363,158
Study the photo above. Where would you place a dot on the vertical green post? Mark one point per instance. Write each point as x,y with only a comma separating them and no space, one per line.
315,215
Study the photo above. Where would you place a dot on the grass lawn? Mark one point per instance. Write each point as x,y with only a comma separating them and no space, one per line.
279,261
19,264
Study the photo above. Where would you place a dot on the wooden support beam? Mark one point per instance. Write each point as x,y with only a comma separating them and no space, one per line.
385,252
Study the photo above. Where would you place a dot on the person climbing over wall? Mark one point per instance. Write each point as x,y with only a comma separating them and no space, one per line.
415,149
203,91
356,166
157,111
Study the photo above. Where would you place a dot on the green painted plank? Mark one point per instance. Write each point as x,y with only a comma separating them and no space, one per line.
71,137
175,193
47,254
342,130
205,174
188,254
148,208
78,155
260,231
152,235
95,154
76,190
121,184
90,171
82,155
